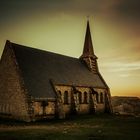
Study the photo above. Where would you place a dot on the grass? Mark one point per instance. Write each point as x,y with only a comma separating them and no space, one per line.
86,127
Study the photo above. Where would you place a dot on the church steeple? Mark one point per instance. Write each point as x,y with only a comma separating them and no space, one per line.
88,47
88,55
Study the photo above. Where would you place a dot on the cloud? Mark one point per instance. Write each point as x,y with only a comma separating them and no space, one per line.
129,8
122,66
121,69
124,75
110,8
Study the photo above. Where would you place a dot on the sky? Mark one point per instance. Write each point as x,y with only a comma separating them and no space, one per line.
59,26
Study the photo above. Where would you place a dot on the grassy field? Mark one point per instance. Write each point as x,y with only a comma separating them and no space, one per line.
86,127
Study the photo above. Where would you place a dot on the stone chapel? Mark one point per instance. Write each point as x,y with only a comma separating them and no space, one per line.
37,84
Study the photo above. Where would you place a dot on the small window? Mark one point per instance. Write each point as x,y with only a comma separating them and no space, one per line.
66,97
101,98
85,97
44,103
6,108
97,97
80,97
59,92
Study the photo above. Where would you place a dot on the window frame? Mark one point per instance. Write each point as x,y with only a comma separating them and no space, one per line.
101,98
80,97
66,97
85,98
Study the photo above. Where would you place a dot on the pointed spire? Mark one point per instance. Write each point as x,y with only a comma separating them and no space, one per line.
88,47
88,55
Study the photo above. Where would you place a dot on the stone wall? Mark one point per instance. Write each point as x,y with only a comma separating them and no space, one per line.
13,101
80,105
50,108
43,109
100,106
37,106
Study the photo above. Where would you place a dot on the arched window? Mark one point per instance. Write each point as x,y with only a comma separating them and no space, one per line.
80,97
59,92
44,104
105,96
85,97
97,97
66,97
6,107
101,98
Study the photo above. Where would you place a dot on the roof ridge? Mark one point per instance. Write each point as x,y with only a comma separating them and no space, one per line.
37,49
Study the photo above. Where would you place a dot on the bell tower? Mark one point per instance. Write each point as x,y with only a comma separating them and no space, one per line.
88,55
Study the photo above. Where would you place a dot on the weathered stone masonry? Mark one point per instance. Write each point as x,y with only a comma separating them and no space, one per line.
83,100
13,97
36,84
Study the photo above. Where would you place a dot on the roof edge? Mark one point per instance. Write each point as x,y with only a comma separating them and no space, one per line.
20,45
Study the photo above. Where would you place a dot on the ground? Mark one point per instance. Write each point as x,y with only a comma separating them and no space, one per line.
86,127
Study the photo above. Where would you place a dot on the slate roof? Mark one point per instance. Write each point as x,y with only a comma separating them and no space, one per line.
38,67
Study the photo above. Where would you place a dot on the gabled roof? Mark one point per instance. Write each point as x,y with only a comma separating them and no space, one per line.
38,67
